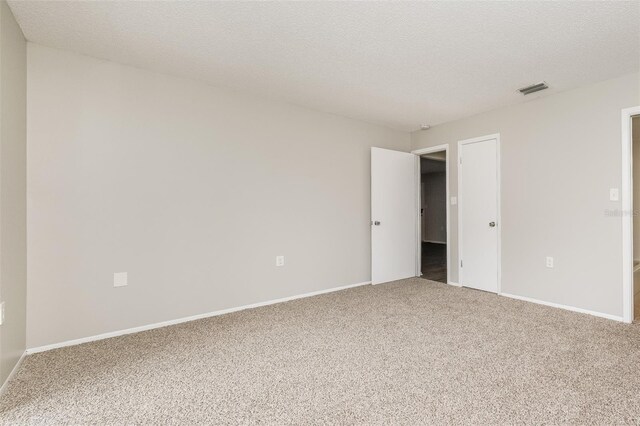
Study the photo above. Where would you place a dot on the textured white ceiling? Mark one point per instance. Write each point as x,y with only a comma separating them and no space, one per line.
398,64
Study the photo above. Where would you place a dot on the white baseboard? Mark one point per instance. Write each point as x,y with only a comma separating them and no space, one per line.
568,308
13,373
185,319
454,284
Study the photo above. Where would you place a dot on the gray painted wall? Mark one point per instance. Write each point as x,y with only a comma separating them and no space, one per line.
434,207
560,155
190,189
13,247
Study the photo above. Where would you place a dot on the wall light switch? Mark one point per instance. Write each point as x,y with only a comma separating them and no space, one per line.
614,194
454,201
120,279
549,262
279,260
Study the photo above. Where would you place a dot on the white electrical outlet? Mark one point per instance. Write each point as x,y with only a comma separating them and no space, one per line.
549,262
1,313
120,279
279,260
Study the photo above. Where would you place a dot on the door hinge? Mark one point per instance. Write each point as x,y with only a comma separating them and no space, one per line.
461,263
461,160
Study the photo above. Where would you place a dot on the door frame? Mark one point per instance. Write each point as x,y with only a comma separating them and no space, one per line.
627,213
495,136
418,153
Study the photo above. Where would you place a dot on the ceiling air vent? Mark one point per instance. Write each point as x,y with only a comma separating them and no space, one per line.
533,88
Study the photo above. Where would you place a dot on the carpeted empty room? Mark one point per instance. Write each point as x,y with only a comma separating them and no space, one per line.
407,352
305,213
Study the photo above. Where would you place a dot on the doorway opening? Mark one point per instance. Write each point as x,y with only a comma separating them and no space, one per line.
396,228
433,216
433,229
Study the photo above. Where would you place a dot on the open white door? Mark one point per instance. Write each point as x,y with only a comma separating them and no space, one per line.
393,215
478,213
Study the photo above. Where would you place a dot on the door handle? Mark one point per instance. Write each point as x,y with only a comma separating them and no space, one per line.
376,223
492,224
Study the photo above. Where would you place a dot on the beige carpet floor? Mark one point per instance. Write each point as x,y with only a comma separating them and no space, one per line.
410,352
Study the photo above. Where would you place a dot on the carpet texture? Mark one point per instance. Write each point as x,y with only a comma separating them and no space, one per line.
409,352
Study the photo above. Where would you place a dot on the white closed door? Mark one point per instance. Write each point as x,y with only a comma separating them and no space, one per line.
393,215
478,214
